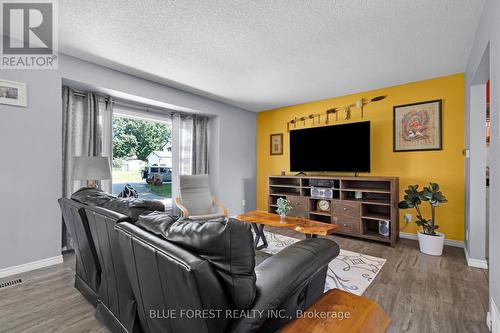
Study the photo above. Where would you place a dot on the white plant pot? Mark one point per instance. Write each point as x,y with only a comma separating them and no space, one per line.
432,245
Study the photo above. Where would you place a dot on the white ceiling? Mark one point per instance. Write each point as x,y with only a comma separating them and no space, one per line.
260,55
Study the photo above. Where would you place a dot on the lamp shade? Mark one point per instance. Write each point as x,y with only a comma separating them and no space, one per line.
91,168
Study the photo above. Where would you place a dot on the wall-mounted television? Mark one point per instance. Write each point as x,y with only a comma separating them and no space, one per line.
337,148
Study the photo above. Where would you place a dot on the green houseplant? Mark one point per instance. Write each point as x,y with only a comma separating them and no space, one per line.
431,242
284,207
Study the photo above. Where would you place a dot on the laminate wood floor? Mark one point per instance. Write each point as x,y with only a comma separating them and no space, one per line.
421,293
46,302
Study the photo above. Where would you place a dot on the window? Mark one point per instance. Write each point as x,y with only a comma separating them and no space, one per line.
142,155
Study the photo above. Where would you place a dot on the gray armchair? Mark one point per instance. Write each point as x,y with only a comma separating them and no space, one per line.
196,200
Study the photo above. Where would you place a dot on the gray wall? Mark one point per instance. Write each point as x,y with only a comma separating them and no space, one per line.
30,171
30,146
489,34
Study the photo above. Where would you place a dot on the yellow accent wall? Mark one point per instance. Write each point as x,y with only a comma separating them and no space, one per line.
445,167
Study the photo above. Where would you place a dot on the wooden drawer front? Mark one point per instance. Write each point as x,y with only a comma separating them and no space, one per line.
346,209
347,225
300,206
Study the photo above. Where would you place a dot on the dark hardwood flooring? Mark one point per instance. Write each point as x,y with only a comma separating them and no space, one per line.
421,293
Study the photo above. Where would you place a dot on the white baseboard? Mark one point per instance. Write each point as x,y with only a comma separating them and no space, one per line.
13,270
494,317
449,242
477,263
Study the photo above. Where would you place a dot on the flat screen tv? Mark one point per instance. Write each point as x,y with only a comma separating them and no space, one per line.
337,148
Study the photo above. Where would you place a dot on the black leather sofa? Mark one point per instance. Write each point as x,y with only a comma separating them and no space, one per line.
116,307
100,274
167,277
87,270
137,269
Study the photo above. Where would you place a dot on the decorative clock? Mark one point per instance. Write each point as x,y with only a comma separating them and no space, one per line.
323,205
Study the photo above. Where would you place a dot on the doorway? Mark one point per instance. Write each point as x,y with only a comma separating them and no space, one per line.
477,171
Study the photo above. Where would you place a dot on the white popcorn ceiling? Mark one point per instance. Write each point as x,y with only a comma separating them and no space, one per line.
264,54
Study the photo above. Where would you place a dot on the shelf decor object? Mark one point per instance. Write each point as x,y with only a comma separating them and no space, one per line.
418,126
13,93
329,114
284,207
360,217
276,144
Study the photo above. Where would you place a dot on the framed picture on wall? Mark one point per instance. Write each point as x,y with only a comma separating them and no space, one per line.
418,126
277,144
12,93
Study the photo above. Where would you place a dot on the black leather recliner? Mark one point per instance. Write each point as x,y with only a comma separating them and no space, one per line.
117,307
125,284
88,270
168,281
100,274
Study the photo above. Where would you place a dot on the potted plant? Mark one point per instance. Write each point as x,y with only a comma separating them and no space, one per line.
284,207
430,241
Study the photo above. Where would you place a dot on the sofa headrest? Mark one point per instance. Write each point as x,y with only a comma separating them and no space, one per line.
131,207
225,242
92,196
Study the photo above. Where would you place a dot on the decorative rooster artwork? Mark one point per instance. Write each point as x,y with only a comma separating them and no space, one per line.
417,126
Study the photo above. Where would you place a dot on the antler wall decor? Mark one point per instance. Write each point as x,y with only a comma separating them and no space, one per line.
347,109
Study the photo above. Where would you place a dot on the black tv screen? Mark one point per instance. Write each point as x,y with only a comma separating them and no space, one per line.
337,148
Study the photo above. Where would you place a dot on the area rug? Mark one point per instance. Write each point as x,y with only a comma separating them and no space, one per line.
349,271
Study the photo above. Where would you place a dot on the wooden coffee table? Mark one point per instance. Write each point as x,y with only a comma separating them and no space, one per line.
259,219
338,311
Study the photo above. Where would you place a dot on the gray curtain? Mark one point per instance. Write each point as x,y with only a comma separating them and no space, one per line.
86,131
189,149
200,145
182,152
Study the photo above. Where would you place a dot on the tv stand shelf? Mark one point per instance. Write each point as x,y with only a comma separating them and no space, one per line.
355,217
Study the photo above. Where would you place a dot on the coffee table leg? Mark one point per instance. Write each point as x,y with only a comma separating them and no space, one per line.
259,234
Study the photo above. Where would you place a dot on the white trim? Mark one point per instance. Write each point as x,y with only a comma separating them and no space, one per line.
13,270
495,317
449,242
477,263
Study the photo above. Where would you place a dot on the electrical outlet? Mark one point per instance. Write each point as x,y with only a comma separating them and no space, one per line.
408,218
243,202
466,235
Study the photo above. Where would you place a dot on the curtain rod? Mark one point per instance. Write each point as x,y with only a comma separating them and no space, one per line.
135,106
83,94
125,104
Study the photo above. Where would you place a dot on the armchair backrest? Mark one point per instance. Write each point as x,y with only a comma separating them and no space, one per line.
196,195
167,279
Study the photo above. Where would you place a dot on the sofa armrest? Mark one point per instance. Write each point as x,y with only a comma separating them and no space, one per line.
284,275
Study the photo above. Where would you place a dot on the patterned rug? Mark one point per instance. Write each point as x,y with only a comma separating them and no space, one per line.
350,271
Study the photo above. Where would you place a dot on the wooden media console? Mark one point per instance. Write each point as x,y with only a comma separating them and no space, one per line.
357,205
